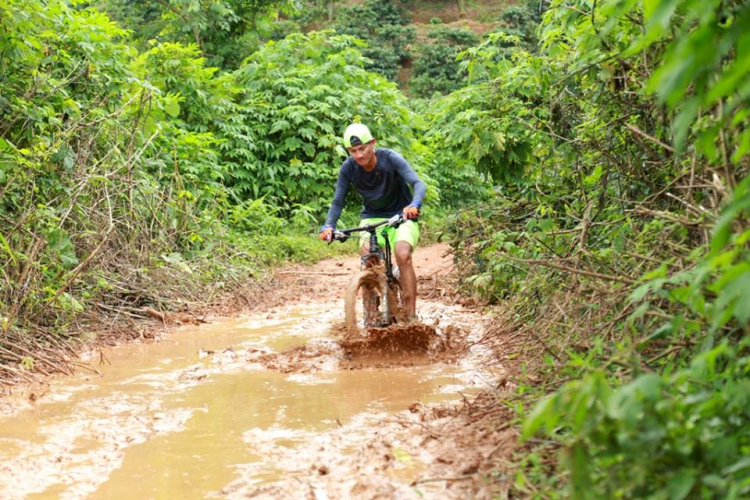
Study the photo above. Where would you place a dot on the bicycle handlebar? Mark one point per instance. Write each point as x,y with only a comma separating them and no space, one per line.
344,234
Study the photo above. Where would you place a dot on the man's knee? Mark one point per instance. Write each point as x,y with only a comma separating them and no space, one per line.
403,253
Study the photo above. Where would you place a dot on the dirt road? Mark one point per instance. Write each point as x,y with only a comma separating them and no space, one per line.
269,405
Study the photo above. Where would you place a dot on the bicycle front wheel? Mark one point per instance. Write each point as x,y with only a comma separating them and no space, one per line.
372,287
396,306
382,302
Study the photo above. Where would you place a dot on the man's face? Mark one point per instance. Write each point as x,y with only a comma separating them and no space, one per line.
364,154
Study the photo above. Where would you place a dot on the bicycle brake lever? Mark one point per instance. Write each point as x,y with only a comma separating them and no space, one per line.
396,220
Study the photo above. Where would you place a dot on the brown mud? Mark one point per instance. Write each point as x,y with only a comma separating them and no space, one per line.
238,409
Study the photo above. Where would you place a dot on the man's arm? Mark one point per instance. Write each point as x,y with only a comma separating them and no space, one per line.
410,176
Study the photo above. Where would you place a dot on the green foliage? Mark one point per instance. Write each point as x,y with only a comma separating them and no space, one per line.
482,128
683,433
202,95
633,124
382,26
522,21
226,31
193,101
256,216
299,95
436,68
65,75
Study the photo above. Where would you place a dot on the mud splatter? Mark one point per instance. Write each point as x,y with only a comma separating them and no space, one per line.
394,341
398,345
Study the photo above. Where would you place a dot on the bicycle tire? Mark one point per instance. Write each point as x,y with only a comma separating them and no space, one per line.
373,286
396,307
366,282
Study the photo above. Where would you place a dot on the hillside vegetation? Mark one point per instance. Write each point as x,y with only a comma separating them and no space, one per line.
587,159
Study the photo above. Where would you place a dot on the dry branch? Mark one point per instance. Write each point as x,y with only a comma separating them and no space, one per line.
555,265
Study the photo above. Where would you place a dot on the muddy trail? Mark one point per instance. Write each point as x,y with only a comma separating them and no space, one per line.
273,403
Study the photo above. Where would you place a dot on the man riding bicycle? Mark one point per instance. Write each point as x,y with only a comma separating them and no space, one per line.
382,177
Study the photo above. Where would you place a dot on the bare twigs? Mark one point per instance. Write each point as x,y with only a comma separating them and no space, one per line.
669,216
85,232
651,138
556,265
75,272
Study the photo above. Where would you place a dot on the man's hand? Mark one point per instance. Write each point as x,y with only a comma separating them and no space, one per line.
411,212
326,234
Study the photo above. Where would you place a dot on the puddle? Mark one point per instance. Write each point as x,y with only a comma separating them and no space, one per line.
200,413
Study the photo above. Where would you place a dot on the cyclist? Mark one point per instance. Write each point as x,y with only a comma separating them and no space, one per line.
382,177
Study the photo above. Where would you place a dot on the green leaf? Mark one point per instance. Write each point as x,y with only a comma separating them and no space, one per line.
684,120
538,417
6,248
649,385
172,108
640,292
59,242
27,363
594,177
579,465
743,463
658,13
69,303
681,483
402,456
722,230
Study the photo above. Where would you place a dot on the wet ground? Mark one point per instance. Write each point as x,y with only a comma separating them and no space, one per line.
271,404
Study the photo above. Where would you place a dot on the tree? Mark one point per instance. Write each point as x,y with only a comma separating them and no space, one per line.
299,95
226,31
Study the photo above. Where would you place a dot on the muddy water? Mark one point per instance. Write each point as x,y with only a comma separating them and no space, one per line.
185,417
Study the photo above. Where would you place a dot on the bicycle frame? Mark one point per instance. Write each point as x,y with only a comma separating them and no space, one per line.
382,299
375,254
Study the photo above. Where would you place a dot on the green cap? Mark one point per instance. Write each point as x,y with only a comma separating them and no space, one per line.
356,134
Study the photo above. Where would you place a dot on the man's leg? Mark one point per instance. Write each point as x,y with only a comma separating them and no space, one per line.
408,277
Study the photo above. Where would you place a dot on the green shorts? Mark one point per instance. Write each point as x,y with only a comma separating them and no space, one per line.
407,232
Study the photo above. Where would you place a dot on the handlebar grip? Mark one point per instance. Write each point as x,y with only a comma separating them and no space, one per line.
338,236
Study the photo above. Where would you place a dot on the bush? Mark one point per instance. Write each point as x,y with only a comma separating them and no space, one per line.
436,68
622,246
522,21
382,26
300,94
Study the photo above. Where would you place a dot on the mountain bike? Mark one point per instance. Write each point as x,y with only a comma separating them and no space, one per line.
376,282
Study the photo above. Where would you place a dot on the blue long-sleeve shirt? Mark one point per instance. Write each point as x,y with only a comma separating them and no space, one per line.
384,189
